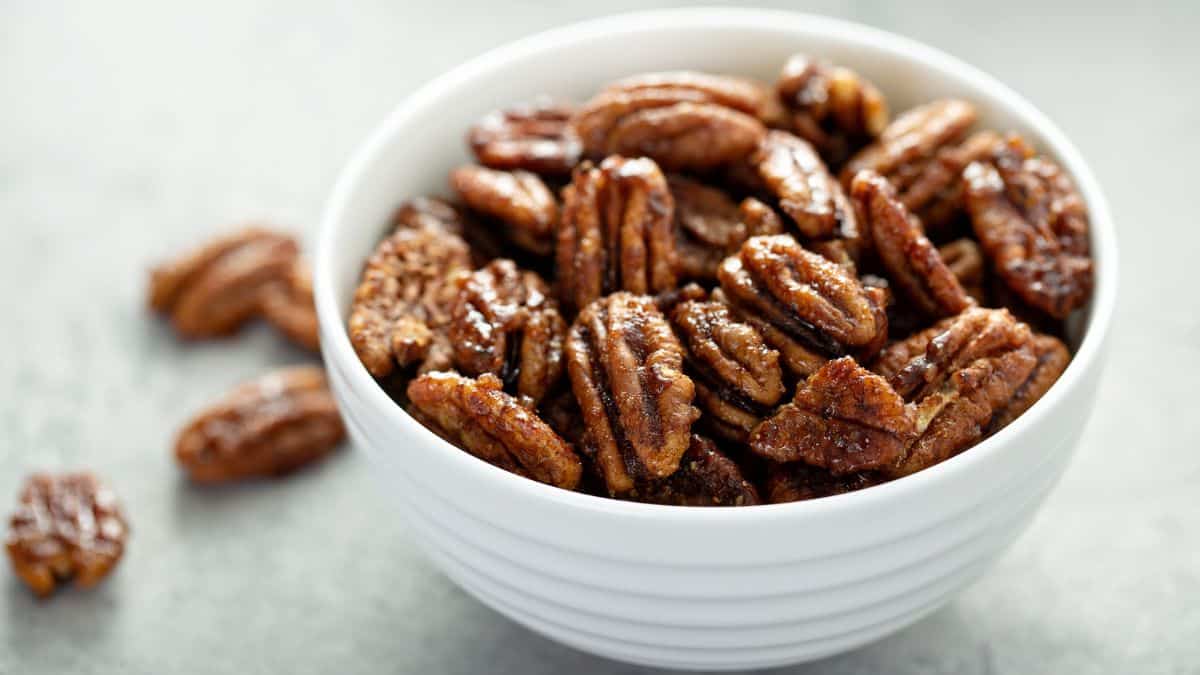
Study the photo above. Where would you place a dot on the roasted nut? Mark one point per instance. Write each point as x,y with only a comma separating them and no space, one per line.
268,426
625,366
935,191
709,225
805,306
214,289
737,376
1033,226
477,416
797,481
965,261
504,324
66,526
427,212
759,218
831,107
844,418
1052,358
288,305
912,263
404,299
532,137
706,477
737,93
518,199
793,173
616,232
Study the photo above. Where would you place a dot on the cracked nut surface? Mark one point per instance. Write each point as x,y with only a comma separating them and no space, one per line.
288,305
66,527
706,477
797,481
831,107
518,199
268,426
212,290
1033,227
793,173
626,369
504,323
479,417
616,232
534,136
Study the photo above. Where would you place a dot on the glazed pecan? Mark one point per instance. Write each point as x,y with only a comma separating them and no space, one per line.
805,306
709,225
66,526
533,136
503,323
831,107
430,213
797,481
616,232
706,477
479,417
288,305
759,218
738,378
793,173
268,426
844,418
912,263
1052,358
1033,226
518,199
935,191
625,366
404,300
965,261
214,289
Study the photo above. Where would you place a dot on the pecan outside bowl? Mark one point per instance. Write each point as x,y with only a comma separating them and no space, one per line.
696,588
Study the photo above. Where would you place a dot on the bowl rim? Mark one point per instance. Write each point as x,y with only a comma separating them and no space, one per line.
337,350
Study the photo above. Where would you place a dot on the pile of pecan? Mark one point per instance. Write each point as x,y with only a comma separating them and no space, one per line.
698,289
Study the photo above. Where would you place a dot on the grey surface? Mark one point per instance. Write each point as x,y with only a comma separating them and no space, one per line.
128,129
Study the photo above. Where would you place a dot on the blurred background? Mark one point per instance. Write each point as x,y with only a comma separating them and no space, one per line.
130,130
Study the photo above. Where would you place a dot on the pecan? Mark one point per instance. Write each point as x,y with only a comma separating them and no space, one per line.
965,261
438,215
805,306
534,137
288,305
214,289
518,199
479,417
797,481
625,366
935,192
844,418
404,299
913,264
268,426
737,376
709,225
831,107
706,477
66,526
1033,226
759,218
503,323
616,232
793,173
1052,358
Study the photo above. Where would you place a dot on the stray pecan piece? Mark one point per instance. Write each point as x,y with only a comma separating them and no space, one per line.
66,526
479,417
268,426
793,173
518,199
625,366
288,305
831,107
706,477
797,481
533,137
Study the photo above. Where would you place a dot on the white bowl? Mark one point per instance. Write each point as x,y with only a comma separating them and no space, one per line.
715,588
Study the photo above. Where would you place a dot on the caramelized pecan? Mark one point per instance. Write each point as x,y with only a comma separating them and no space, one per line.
797,481
965,261
935,191
831,107
427,212
288,305
518,199
793,173
912,140
709,225
626,371
533,137
706,477
479,417
1052,358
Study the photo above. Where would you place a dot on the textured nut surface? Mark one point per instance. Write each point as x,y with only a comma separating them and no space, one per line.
66,526
616,232
933,189
288,305
1033,227
626,369
403,301
797,481
793,173
212,290
503,323
479,417
912,139
709,225
518,199
830,106
485,242
706,477
268,426
1052,359
533,136
965,260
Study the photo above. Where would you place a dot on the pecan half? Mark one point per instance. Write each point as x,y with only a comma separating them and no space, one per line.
503,323
404,299
625,366
793,173
616,232
797,481
1033,226
706,477
213,290
709,225
831,107
808,308
479,417
518,199
1052,358
288,305
935,191
66,526
431,213
533,136
965,261
268,426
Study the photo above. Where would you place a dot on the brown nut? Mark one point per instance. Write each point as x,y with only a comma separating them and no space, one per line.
503,323
403,302
479,417
626,369
66,526
805,306
288,305
214,289
709,225
1052,359
797,481
706,477
965,260
518,199
793,173
1033,227
268,426
485,242
616,232
831,107
532,137
934,189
